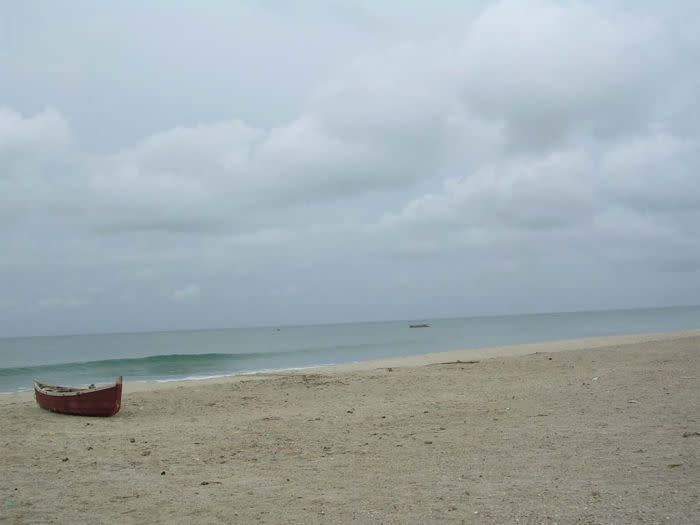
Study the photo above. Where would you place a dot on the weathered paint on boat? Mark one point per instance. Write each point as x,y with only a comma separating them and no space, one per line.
102,401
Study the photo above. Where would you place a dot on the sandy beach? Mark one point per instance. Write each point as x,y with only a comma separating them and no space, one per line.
603,430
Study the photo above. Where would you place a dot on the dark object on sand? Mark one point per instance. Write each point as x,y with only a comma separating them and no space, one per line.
424,325
90,401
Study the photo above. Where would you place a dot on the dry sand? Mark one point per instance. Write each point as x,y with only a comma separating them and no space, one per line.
592,431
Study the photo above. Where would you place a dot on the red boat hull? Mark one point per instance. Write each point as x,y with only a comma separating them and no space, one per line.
101,402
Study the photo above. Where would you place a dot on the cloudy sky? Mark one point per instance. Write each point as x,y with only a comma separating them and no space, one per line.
182,164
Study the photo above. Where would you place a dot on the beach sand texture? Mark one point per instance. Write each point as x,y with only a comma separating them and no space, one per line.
607,431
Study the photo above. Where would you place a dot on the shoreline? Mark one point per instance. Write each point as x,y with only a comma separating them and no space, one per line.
431,358
594,430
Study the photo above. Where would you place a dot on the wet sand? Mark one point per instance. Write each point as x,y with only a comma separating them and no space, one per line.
603,430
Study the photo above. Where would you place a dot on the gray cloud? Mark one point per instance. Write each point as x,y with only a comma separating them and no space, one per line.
552,70
494,149
189,293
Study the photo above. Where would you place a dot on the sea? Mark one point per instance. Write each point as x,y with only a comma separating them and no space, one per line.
203,354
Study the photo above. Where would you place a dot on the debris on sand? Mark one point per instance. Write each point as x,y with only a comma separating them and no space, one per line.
458,362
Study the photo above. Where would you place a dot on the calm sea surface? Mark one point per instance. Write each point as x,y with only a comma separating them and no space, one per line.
80,359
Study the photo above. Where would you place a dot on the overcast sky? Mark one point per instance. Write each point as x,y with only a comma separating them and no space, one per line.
190,164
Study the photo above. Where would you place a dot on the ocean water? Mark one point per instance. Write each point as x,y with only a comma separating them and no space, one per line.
163,356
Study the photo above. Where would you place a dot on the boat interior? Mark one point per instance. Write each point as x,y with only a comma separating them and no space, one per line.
68,390
63,389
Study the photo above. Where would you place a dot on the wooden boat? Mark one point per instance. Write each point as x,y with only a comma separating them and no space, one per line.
424,325
88,401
